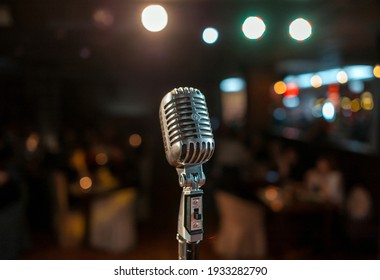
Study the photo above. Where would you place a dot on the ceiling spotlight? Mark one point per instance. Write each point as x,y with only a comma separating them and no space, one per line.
154,18
253,27
300,29
210,35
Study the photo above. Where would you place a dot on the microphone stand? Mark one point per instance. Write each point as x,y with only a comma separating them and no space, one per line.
190,216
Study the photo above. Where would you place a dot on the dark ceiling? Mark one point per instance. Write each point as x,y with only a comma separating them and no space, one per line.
63,39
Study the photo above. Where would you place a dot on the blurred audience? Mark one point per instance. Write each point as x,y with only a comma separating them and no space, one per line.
46,184
325,182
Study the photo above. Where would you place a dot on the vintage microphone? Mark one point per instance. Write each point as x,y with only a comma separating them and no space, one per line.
188,143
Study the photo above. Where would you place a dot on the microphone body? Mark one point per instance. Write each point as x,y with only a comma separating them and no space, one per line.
188,142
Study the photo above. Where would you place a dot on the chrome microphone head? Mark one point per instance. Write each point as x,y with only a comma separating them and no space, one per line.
186,128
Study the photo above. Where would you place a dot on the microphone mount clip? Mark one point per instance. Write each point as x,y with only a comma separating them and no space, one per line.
190,216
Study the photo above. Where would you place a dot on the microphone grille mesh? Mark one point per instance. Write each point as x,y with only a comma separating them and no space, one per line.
185,119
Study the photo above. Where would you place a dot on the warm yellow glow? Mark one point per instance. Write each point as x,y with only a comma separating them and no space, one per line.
277,205
316,81
154,18
135,140
345,103
376,71
342,77
355,105
320,101
101,158
78,160
32,142
103,18
367,101
271,193
279,87
85,183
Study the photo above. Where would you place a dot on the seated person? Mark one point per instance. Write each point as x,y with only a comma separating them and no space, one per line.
325,182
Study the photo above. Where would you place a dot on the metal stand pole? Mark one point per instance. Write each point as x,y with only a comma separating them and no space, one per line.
187,251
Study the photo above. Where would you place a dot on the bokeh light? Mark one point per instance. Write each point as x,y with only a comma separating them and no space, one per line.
355,105
232,85
316,111
342,77
85,183
345,103
292,89
356,86
279,87
101,158
103,18
154,18
135,140
300,29
85,53
210,35
328,111
376,71
271,193
367,101
32,142
279,114
253,27
291,101
316,81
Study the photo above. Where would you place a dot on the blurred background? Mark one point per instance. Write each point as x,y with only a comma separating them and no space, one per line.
293,94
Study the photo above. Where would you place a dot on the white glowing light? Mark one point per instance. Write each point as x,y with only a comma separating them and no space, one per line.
328,111
210,35
232,85
300,29
316,81
342,77
154,18
329,76
253,28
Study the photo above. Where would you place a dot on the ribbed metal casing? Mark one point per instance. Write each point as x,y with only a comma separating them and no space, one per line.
186,128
